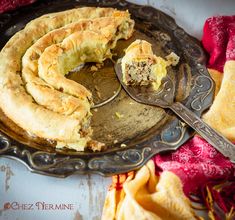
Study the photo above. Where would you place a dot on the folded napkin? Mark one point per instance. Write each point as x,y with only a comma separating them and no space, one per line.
196,163
218,40
205,173
144,195
202,170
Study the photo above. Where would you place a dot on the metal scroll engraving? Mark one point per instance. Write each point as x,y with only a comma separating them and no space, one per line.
163,96
202,88
138,151
214,138
129,158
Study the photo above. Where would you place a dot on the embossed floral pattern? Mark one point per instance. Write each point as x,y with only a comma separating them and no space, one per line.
219,40
196,163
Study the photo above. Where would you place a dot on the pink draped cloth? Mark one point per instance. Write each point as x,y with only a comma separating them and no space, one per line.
196,163
219,40
7,5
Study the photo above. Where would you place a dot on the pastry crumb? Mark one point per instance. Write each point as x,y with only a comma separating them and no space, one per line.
123,145
131,103
99,65
98,94
173,59
118,115
96,145
115,141
95,110
94,68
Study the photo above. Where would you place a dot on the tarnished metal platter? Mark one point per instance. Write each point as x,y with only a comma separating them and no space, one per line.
133,132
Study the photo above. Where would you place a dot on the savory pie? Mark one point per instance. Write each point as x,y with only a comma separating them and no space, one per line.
141,67
34,92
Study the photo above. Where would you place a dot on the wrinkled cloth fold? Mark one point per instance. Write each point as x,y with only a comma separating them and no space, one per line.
144,195
196,163
218,40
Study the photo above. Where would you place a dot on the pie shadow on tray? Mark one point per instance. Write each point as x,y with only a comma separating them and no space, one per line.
132,132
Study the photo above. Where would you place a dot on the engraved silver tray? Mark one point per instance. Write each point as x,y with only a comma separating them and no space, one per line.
142,131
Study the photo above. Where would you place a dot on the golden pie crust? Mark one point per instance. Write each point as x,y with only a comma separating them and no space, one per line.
34,92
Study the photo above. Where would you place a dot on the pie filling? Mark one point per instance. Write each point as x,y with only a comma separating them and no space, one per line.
141,67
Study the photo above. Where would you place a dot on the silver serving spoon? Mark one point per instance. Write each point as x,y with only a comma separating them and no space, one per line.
164,98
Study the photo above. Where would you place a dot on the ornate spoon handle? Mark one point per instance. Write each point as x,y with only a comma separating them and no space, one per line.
219,142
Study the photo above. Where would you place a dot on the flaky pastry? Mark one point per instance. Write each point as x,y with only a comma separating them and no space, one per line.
57,109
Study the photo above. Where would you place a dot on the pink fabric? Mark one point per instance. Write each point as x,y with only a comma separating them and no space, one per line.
219,40
204,172
196,163
7,5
